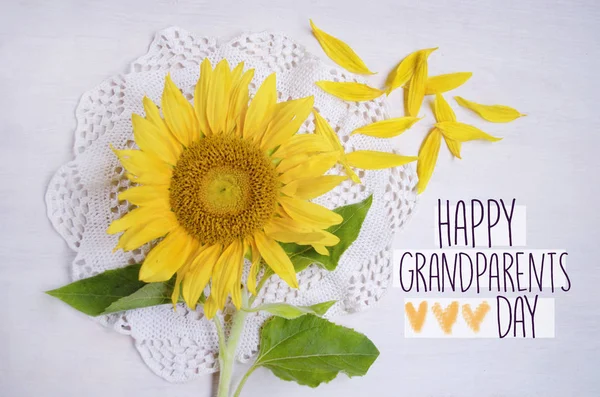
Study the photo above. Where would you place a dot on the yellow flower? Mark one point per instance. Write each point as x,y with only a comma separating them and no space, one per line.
220,180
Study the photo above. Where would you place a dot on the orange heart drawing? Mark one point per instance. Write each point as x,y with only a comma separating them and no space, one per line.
447,317
416,318
474,320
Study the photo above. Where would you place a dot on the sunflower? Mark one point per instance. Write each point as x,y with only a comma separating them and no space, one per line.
221,180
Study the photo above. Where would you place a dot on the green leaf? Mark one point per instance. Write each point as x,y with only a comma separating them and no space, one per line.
302,255
310,350
93,295
152,294
290,312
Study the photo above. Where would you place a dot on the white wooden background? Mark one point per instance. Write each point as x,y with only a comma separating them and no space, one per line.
540,56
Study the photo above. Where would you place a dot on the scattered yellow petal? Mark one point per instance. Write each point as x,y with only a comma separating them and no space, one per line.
464,132
428,155
493,113
446,82
442,110
387,128
405,69
453,146
340,52
373,160
416,89
349,91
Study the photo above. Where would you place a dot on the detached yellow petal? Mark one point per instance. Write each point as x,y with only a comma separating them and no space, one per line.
349,91
373,160
442,110
453,146
261,106
276,258
340,52
310,188
387,128
463,132
201,96
446,82
416,88
405,70
428,155
179,114
493,113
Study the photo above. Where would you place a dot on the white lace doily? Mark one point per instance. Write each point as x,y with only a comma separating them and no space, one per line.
82,196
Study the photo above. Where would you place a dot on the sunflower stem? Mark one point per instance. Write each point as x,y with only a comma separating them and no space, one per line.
227,349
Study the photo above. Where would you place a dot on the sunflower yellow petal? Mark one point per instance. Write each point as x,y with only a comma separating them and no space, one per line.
136,217
139,235
150,139
153,116
179,114
324,129
321,249
320,237
227,272
314,166
373,160
254,268
309,213
405,69
260,107
493,113
276,258
442,110
167,257
219,91
350,91
210,307
310,188
147,168
428,155
387,128
199,273
146,195
446,82
340,52
239,103
300,144
286,119
464,132
201,95
416,88
181,273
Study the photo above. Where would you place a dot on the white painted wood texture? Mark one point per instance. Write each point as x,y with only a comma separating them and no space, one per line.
540,56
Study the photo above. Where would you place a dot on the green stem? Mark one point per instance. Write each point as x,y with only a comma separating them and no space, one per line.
243,381
227,351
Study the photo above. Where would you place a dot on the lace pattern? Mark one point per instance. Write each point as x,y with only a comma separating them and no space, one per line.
82,196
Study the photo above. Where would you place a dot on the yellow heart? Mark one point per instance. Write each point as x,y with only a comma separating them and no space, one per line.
416,318
447,317
474,320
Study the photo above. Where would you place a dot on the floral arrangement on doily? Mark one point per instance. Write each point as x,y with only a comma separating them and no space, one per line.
231,198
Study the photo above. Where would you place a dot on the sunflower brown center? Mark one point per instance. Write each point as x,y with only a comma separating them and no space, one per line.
223,188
